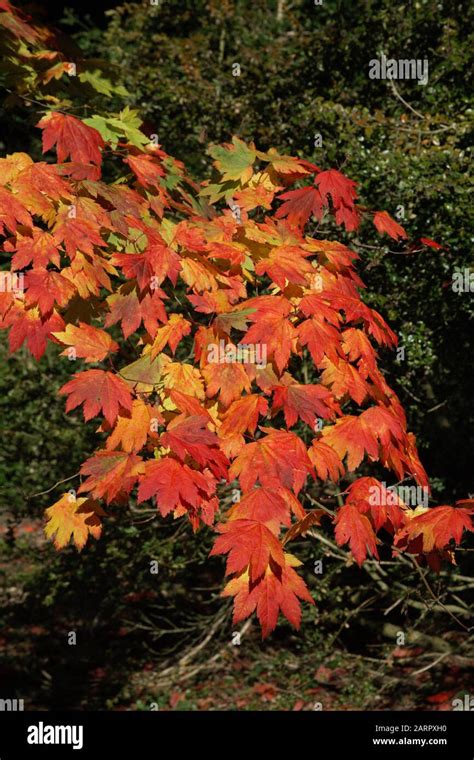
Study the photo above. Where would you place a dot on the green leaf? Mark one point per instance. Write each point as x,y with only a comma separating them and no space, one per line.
122,126
101,84
143,375
234,161
236,319
217,191
104,127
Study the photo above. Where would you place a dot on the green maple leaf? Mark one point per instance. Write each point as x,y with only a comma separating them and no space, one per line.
234,160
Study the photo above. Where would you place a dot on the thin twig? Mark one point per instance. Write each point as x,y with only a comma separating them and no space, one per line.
350,615
41,493
402,100
433,595
431,664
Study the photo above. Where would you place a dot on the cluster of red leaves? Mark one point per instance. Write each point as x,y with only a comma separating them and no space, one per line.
117,255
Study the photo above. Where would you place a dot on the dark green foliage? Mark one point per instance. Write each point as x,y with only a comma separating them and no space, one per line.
41,445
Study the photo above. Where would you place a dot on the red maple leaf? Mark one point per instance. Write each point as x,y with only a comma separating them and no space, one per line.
384,223
72,138
29,326
436,527
173,484
12,212
191,436
98,391
147,170
304,401
337,186
280,458
431,243
267,506
248,543
300,204
354,528
274,592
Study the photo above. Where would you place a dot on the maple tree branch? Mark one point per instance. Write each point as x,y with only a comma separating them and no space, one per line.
336,551
431,664
351,614
438,406
280,10
388,250
321,506
29,100
183,669
402,100
429,131
41,493
433,595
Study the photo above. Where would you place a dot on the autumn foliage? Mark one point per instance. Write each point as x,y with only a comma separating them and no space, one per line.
139,278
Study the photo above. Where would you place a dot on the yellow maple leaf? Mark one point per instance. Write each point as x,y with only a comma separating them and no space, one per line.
184,377
72,517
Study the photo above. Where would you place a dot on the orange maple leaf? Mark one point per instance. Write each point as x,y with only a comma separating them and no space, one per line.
110,473
326,461
274,592
131,432
227,380
89,343
306,402
170,334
